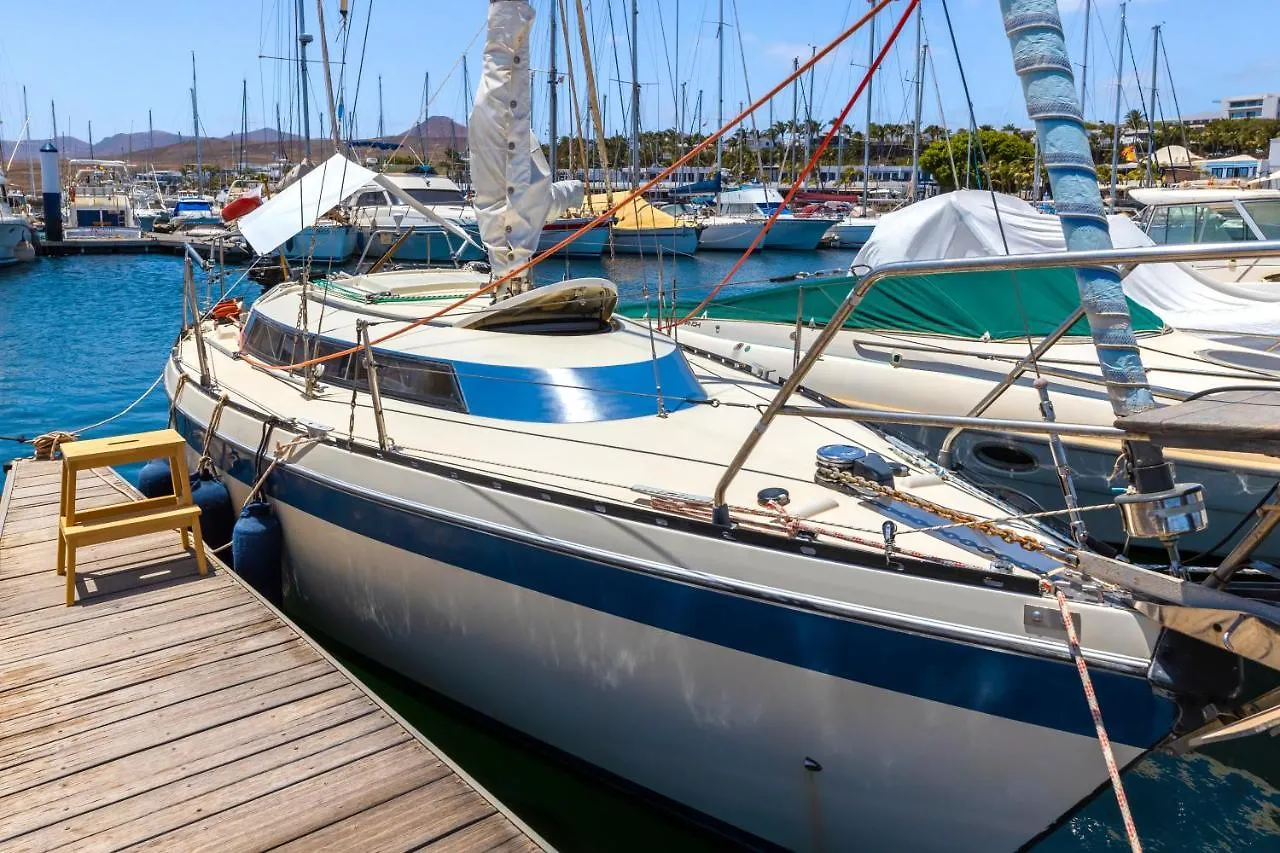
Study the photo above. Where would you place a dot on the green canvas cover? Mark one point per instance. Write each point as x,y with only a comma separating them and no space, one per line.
1000,305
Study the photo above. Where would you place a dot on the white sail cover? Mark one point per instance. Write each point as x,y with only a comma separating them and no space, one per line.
514,195
963,224
300,204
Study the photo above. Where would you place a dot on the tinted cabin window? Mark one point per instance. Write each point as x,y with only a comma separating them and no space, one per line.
433,383
428,196
370,199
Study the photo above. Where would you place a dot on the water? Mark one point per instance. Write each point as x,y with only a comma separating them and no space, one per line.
82,337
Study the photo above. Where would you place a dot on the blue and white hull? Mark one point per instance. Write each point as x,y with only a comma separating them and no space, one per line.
796,233
658,653
590,245
853,232
675,240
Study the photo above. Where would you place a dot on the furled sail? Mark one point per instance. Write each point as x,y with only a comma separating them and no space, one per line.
514,195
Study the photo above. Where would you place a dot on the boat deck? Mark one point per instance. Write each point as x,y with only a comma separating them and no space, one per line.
171,711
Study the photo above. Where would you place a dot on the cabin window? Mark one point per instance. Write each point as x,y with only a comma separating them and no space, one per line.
430,196
403,377
1266,214
371,199
1219,222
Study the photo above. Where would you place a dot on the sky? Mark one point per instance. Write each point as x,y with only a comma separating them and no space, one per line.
111,63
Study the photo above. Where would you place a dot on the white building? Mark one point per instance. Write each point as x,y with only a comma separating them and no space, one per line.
1252,106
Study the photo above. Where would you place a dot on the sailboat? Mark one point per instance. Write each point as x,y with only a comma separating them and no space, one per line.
535,508
15,231
941,344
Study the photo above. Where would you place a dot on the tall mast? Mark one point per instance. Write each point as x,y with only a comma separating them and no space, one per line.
334,126
1084,63
426,105
279,134
808,115
635,93
1151,116
151,135
303,41
1115,130
382,128
244,120
919,87
720,86
466,124
795,111
195,124
866,139
31,168
552,93
90,140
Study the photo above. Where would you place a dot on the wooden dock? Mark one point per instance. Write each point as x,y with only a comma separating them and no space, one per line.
168,711
146,244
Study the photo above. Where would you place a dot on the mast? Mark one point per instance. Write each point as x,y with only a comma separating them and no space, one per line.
720,85
1034,29
279,134
195,124
466,124
866,140
1151,116
303,40
635,92
795,111
919,87
26,121
1084,64
1115,128
426,105
151,135
382,128
808,115
244,120
334,126
90,140
553,100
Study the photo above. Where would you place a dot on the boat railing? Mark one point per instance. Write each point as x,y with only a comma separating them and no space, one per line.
905,269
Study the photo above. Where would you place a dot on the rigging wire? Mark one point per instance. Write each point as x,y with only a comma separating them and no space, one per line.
814,159
607,214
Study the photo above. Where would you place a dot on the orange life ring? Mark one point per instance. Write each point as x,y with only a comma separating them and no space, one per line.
226,309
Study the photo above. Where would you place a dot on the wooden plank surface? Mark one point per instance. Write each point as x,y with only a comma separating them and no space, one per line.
170,711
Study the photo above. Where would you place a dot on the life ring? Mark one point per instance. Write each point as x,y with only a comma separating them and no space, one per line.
226,309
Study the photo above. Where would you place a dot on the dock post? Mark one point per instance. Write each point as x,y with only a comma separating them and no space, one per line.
51,187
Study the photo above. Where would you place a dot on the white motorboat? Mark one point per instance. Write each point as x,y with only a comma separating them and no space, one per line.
509,504
98,200
742,211
1217,214
16,234
853,232
381,220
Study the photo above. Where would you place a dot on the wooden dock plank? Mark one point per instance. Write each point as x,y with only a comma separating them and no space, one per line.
170,711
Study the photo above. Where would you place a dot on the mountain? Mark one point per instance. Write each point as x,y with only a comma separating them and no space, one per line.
438,128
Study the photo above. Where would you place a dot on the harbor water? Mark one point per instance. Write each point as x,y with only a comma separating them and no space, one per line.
81,338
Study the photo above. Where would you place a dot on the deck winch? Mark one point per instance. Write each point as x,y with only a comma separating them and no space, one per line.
834,460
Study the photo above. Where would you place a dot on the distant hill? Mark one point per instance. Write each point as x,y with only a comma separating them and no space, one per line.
174,149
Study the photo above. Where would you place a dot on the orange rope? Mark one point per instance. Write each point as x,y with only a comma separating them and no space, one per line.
804,173
608,214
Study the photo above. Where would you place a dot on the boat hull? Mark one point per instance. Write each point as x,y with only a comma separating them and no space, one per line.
429,244
589,245
797,726
327,243
797,233
852,234
729,236
678,240
12,232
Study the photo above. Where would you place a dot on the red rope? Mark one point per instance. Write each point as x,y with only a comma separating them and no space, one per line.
608,214
1130,828
804,173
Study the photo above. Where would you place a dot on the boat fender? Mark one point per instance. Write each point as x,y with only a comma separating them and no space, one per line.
216,513
155,480
257,544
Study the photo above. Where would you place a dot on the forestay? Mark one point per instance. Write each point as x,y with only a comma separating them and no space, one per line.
300,204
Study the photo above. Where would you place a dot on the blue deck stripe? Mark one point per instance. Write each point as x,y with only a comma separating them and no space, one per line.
1040,691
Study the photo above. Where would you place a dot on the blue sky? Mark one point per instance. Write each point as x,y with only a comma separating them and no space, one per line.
111,63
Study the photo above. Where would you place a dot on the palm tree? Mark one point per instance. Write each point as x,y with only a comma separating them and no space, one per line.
1134,120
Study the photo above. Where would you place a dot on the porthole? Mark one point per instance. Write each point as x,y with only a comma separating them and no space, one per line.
1005,457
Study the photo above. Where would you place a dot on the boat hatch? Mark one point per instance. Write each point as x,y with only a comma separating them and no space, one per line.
578,306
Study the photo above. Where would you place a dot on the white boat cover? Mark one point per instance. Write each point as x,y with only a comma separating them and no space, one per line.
300,204
964,224
514,195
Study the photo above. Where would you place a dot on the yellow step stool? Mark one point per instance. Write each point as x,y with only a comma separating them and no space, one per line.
133,518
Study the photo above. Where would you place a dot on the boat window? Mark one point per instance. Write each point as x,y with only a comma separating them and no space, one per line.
1249,359
371,199
1217,222
429,196
399,376
1267,216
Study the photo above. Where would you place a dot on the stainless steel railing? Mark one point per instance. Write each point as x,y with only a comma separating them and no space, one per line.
904,269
